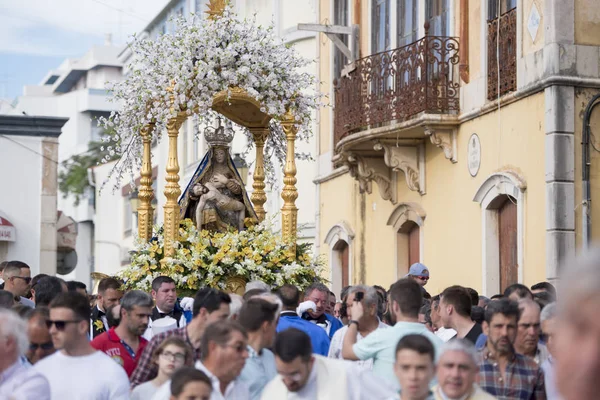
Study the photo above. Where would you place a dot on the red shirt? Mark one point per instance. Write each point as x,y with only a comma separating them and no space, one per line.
110,343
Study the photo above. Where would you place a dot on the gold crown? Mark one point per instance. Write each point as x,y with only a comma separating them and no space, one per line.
219,135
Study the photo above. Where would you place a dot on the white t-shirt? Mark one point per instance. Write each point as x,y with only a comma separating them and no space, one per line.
145,391
337,342
93,377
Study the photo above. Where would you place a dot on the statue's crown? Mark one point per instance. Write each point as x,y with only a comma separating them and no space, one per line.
219,135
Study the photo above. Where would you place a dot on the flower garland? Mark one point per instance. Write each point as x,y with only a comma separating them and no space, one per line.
205,258
183,70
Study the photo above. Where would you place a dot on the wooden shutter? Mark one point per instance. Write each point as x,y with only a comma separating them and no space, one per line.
507,236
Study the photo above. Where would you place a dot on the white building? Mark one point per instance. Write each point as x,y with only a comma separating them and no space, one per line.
76,90
28,190
116,224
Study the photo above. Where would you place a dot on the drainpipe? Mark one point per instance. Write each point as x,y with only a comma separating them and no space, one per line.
585,172
463,50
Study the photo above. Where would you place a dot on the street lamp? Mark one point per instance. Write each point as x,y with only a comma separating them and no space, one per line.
134,201
241,166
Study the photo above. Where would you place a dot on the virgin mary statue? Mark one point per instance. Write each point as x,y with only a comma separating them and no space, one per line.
215,198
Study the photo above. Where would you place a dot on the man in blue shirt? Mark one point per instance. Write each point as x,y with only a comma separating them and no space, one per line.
319,294
290,297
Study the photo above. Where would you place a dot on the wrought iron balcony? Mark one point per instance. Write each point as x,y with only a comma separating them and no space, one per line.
396,85
506,44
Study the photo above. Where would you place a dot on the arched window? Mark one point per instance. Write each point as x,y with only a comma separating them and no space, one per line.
339,238
407,221
502,198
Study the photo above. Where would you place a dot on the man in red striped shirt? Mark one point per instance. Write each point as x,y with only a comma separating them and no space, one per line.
125,343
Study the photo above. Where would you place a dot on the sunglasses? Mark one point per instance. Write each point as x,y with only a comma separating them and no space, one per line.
26,279
423,278
43,346
60,325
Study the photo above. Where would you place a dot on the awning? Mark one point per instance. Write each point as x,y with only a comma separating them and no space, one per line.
66,229
8,233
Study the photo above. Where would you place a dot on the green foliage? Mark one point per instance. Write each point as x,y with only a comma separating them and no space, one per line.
73,176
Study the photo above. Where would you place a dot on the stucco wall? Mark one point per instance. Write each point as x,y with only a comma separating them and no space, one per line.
20,196
587,22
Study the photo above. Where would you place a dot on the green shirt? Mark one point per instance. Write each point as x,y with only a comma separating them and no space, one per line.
381,344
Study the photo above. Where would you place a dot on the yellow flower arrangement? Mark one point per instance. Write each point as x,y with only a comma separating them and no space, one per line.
204,258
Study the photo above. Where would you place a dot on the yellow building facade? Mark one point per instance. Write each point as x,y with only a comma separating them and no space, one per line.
430,154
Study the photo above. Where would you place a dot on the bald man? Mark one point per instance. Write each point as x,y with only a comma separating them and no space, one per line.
528,332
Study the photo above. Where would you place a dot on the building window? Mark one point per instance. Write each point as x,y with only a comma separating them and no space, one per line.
502,41
340,17
408,22
341,251
184,144
380,25
195,141
437,14
127,216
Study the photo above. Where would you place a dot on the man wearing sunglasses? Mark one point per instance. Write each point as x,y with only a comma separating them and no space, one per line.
17,277
419,273
40,341
77,370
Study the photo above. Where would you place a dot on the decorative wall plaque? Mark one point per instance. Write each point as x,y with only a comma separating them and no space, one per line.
474,155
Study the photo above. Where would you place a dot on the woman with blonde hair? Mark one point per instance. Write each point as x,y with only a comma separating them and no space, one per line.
172,354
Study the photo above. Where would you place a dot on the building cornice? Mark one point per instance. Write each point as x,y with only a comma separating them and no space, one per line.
332,175
23,125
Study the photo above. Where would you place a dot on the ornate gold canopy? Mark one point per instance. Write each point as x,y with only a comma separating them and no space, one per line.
244,110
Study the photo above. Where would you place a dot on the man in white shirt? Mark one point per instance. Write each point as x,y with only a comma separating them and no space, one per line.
368,323
164,293
224,353
406,299
306,376
18,380
457,371
77,370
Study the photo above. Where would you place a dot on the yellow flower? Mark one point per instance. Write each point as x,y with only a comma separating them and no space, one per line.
99,325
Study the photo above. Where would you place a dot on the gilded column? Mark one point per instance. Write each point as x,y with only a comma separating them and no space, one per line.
172,189
289,211
146,194
259,197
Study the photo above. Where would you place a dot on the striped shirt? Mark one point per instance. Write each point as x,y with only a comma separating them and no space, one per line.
523,378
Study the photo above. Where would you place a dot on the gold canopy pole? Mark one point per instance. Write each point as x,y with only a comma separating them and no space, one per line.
289,211
146,194
259,197
172,189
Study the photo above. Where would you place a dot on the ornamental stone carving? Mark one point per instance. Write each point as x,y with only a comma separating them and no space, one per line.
445,139
366,170
407,160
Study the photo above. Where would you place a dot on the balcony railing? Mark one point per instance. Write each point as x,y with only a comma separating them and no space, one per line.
506,44
396,85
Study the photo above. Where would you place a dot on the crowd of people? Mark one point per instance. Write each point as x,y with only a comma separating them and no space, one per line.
58,342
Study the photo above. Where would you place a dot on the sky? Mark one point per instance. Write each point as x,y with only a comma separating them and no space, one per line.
37,35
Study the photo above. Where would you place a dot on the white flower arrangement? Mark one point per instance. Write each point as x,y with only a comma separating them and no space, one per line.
204,258
183,70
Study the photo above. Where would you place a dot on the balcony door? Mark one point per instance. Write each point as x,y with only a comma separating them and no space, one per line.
437,14
340,17
380,26
408,22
